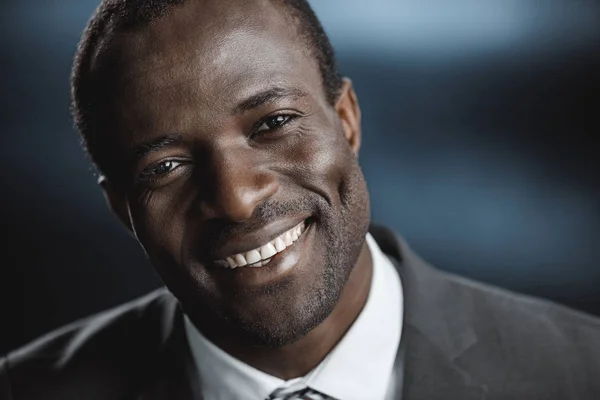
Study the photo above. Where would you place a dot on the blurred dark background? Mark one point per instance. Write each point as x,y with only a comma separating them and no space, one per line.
480,120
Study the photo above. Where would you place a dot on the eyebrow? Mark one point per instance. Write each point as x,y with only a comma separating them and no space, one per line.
266,96
143,149
256,100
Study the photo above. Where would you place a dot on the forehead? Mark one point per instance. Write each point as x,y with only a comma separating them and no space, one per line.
208,55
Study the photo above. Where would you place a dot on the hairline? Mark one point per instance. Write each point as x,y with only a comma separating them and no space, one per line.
105,26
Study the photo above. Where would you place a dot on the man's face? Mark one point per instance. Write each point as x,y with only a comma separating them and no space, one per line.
229,142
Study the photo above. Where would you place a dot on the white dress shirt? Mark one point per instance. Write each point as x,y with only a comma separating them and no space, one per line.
358,368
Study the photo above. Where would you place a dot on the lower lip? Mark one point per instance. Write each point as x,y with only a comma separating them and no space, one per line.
281,264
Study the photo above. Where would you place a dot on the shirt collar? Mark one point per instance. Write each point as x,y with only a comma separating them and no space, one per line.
224,377
359,367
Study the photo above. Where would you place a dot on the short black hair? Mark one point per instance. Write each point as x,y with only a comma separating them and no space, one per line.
114,16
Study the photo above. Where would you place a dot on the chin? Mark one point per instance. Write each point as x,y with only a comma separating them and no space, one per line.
285,325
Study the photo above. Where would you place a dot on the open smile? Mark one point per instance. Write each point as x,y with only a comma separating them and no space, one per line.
262,255
268,260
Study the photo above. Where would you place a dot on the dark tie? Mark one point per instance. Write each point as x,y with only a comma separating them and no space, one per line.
294,394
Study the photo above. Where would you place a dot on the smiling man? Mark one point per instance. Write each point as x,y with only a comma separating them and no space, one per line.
227,144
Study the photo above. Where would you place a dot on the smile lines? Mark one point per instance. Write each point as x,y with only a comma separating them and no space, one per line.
262,255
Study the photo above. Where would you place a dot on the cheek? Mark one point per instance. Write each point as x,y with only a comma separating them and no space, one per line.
319,161
158,221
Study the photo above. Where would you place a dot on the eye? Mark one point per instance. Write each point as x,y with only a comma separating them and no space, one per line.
160,169
273,122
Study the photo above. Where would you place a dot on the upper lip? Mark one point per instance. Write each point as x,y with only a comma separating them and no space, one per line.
249,241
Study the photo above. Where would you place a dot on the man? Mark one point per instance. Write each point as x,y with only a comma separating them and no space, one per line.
227,144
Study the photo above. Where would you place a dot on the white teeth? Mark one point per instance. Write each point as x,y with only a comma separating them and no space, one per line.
287,238
260,263
240,260
262,255
279,244
267,251
252,256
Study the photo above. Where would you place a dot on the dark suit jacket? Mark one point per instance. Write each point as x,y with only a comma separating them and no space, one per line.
462,340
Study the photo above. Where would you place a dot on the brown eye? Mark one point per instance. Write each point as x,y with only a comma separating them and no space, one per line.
273,122
157,170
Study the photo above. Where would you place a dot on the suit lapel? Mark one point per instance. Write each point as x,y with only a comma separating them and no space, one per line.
174,374
435,334
430,374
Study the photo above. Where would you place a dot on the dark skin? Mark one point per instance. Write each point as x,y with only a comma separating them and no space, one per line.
226,138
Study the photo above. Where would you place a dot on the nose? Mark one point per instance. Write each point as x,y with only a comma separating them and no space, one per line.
237,184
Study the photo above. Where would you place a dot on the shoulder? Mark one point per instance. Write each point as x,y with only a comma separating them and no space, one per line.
527,335
500,316
91,353
503,308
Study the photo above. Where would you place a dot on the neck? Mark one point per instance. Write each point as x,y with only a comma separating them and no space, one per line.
299,358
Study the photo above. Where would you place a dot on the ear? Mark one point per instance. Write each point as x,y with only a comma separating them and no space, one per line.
349,113
117,202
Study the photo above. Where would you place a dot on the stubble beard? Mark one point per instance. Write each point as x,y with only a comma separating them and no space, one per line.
340,234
